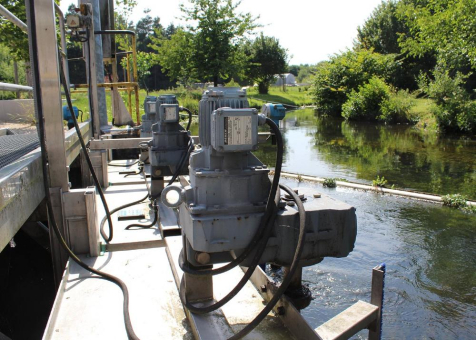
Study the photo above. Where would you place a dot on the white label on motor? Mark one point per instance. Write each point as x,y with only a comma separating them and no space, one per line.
170,113
238,130
152,107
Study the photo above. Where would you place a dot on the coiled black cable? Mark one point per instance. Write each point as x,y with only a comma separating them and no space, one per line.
264,221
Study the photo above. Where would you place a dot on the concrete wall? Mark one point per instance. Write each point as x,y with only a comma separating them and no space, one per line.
17,111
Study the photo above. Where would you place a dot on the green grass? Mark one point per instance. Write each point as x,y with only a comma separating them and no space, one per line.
426,120
186,98
295,96
190,99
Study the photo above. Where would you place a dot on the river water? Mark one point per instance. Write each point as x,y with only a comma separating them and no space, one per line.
429,250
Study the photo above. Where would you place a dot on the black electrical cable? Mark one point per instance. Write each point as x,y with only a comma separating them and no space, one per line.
113,211
287,279
244,279
83,146
181,108
46,183
124,165
264,221
150,225
174,177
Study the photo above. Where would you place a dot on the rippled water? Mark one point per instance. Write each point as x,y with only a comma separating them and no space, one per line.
429,250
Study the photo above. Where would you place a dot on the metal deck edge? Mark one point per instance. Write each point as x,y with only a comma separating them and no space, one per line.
56,305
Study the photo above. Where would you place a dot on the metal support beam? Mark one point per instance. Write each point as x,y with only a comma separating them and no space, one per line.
378,278
133,143
45,67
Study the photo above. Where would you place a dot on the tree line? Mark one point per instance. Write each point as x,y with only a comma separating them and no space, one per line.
406,49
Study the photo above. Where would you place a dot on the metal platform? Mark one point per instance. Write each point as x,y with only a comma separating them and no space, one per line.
21,180
147,264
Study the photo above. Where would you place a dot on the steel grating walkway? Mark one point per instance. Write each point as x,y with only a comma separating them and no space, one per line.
13,147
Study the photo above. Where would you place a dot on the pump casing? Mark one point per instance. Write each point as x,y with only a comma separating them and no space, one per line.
169,145
222,207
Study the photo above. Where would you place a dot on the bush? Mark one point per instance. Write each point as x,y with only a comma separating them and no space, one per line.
396,108
337,78
453,109
365,103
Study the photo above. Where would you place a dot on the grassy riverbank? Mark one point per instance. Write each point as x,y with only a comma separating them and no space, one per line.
294,96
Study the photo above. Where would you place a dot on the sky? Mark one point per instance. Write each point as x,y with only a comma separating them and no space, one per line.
311,30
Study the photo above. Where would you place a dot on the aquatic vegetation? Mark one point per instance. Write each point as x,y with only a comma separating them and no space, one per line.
454,201
379,182
329,183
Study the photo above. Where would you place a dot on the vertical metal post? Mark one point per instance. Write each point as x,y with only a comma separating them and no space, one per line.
15,73
376,299
97,55
45,69
90,48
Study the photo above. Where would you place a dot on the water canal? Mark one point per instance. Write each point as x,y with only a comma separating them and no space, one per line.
429,250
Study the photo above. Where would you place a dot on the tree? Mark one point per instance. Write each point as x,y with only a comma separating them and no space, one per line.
11,35
443,26
381,33
175,55
294,69
266,59
216,37
335,79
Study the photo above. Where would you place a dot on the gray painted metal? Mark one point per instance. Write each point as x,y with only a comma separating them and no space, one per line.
10,16
15,87
214,98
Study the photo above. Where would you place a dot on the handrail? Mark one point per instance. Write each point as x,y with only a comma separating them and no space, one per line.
13,19
14,87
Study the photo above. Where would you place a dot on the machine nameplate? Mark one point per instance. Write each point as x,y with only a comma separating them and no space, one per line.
170,113
238,130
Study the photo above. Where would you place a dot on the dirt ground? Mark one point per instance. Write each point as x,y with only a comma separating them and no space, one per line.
18,128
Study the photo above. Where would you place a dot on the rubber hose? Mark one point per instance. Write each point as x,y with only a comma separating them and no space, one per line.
259,233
